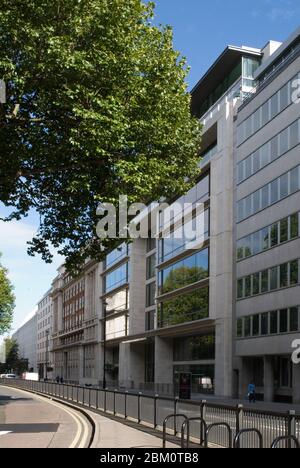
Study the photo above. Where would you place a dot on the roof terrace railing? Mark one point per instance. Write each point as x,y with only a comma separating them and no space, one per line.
248,96
235,89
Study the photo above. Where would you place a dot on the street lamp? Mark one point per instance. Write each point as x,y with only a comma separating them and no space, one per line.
105,304
47,353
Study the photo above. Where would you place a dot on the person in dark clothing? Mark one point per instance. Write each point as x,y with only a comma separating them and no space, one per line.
57,379
61,380
252,393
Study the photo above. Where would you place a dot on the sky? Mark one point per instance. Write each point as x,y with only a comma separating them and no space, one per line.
202,30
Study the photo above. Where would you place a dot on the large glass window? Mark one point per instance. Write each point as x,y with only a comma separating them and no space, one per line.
116,255
151,264
197,194
184,308
180,238
194,348
116,278
185,272
150,294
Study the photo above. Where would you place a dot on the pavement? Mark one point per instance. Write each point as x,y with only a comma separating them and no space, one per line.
110,433
31,421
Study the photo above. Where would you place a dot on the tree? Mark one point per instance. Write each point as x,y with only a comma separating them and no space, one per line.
13,361
7,301
97,107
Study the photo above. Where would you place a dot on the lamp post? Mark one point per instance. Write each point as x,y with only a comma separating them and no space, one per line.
47,353
104,344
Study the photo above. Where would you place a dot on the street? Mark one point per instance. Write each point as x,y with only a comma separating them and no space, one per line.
31,421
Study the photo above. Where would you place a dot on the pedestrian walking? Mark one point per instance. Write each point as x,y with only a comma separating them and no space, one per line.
252,393
57,379
61,380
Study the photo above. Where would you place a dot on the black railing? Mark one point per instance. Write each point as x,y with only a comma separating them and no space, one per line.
152,410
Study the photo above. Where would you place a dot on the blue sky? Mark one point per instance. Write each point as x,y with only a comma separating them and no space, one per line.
201,31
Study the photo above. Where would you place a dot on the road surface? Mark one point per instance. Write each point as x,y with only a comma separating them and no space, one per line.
31,421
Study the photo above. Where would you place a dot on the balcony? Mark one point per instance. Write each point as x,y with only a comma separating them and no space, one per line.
234,91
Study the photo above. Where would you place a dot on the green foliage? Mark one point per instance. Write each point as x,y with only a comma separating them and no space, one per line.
184,308
13,362
97,107
7,301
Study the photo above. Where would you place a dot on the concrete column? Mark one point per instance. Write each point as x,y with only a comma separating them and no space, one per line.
124,365
81,363
296,384
268,379
137,287
132,364
223,360
163,360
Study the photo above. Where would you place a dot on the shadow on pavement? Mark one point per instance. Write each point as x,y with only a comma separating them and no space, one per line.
29,428
6,399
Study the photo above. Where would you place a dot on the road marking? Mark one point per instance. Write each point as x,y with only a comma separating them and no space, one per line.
82,426
5,432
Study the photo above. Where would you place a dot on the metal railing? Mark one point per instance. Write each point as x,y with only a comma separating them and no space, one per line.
152,411
275,69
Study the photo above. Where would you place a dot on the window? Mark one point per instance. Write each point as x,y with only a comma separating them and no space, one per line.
283,321
264,324
294,319
284,186
248,286
185,272
116,255
151,244
150,294
265,281
194,348
294,134
274,323
184,308
247,326
284,230
284,275
277,190
294,266
294,226
116,278
151,263
274,191
274,279
256,284
150,320
178,241
294,175
274,235
240,293
270,109
284,141
240,330
255,325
